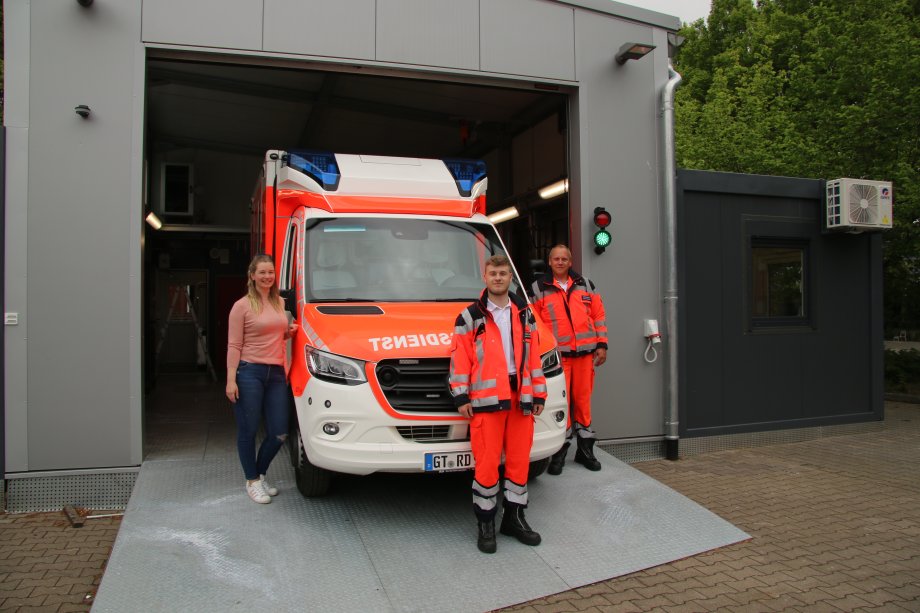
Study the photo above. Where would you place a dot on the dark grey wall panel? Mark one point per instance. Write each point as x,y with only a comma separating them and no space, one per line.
739,376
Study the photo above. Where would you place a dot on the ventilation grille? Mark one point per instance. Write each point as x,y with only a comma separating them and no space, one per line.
427,434
416,386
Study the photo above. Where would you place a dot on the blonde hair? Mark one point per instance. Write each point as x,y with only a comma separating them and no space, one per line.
253,293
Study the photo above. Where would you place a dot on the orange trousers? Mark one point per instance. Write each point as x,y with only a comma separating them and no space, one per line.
579,383
491,433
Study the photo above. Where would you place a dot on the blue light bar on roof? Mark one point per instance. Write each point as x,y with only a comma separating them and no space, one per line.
320,166
466,173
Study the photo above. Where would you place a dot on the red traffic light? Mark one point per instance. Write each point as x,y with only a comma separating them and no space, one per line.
601,217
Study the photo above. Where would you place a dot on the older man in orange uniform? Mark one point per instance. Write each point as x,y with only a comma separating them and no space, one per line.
569,304
498,384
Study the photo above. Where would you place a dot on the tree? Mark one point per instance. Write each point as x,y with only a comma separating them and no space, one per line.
812,88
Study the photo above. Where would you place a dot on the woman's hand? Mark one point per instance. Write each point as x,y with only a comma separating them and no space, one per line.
233,392
292,330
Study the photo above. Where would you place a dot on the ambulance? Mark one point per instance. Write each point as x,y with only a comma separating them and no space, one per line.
376,256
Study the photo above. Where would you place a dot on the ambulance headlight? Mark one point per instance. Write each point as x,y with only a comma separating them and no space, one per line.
334,368
551,363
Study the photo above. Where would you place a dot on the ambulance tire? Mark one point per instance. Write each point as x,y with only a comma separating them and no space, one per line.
538,467
312,481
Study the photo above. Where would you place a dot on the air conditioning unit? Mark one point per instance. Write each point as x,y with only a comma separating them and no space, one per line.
857,205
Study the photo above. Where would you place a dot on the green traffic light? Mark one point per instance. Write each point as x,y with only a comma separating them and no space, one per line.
602,239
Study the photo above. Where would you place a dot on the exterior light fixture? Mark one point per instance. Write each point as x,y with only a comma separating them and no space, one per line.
85,3
554,189
504,215
633,51
82,110
602,238
153,221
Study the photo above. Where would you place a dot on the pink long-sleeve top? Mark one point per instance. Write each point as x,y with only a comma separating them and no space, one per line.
255,338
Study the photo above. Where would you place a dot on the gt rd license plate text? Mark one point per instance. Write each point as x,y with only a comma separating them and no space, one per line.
454,460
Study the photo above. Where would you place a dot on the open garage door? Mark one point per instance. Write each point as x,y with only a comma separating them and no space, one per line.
208,126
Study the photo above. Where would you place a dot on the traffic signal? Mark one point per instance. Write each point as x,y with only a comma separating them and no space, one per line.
602,237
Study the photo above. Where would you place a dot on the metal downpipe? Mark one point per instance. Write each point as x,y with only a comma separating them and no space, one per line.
670,248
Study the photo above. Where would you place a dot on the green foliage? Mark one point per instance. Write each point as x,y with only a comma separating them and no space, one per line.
902,371
812,88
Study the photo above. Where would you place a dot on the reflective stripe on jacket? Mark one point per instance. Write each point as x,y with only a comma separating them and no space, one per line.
575,316
478,369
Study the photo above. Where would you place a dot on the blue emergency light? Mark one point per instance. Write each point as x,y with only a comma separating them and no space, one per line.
320,166
466,173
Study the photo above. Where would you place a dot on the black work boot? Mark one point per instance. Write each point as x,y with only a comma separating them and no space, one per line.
514,524
486,542
584,455
558,460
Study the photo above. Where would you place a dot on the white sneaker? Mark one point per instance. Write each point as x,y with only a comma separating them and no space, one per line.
271,491
256,492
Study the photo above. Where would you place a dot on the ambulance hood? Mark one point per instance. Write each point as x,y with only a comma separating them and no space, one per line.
375,332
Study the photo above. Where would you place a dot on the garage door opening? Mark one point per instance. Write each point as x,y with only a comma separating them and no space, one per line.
208,127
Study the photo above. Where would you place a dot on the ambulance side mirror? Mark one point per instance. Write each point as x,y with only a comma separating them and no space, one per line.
290,301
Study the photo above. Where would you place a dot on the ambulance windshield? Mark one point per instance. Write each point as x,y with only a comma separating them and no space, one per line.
381,259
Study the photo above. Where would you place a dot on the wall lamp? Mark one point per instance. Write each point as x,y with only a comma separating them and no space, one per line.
504,215
554,189
85,3
153,221
82,110
633,51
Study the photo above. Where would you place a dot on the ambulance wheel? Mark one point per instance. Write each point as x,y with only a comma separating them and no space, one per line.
538,467
311,480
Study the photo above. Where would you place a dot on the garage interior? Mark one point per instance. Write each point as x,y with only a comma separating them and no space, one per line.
209,122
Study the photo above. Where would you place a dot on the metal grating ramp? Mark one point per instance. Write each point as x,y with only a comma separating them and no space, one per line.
191,540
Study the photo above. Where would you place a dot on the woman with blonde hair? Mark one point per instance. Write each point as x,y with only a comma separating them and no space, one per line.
256,381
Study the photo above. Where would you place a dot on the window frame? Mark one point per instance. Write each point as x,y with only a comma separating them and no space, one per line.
804,322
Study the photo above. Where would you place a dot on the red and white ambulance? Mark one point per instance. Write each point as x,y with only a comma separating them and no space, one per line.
381,254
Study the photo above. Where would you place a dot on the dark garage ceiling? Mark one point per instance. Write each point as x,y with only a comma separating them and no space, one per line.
249,109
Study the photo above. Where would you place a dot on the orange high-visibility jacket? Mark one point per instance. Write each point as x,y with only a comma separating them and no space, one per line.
576,316
478,369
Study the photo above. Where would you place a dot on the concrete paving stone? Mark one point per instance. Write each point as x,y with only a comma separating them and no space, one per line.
51,590
908,591
15,603
45,581
878,598
590,602
719,603
563,606
619,597
654,590
812,596
684,595
850,603
749,597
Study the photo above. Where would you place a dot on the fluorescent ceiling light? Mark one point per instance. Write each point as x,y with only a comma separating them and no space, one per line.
153,220
554,189
504,215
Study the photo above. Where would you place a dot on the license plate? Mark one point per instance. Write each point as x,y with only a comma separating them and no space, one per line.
454,460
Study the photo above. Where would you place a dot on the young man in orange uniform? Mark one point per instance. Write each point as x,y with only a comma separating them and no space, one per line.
498,384
568,303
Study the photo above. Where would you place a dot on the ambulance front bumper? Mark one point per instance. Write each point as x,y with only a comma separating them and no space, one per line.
344,429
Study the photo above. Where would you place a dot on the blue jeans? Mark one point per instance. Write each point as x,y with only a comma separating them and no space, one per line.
264,393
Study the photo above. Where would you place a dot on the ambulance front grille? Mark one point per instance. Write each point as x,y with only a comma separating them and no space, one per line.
416,385
426,434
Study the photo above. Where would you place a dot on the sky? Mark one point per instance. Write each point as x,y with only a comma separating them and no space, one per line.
688,10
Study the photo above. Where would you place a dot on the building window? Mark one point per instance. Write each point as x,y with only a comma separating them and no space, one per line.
779,283
176,194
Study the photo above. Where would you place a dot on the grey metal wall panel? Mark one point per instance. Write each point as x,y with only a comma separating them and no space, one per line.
344,28
79,234
16,118
528,37
429,32
616,121
230,24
